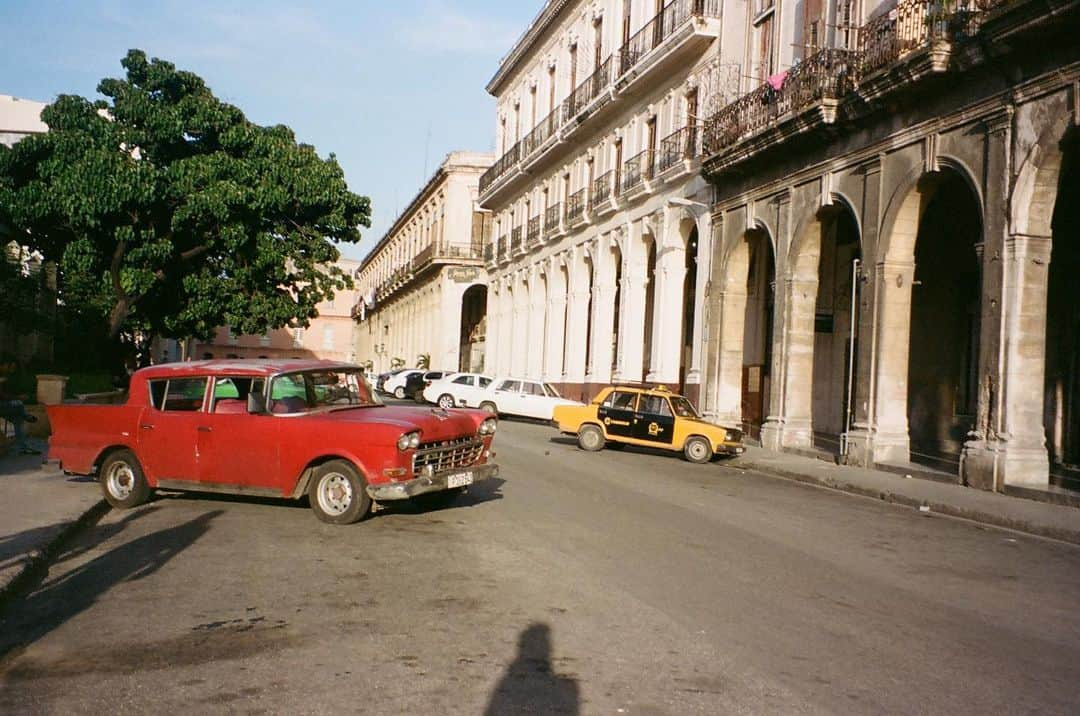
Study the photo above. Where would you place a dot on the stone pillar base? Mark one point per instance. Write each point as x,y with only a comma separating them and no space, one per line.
865,447
777,434
993,464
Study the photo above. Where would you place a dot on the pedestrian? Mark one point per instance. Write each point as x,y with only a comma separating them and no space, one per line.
13,410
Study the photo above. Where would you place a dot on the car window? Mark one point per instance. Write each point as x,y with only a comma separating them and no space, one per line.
620,400
226,388
463,380
532,389
157,392
550,390
484,382
655,405
289,386
184,395
683,407
512,386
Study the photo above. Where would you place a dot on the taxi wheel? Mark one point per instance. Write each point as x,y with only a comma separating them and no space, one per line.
338,494
697,450
591,438
122,480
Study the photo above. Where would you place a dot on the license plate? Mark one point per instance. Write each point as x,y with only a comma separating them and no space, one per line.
459,479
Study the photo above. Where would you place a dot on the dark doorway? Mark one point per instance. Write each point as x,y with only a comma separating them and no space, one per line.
758,332
650,299
832,327
686,345
473,329
1062,404
944,345
616,257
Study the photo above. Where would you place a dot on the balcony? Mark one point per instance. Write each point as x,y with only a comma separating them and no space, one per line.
504,164
551,219
532,232
541,133
600,193
665,39
489,253
584,94
635,170
810,93
677,148
502,249
575,207
516,246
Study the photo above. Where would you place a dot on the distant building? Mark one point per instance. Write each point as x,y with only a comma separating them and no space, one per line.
331,336
423,287
20,118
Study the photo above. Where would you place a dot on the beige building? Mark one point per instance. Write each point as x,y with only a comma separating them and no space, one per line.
330,336
423,288
895,239
19,118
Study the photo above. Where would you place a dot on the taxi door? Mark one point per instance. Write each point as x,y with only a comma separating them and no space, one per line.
654,421
617,413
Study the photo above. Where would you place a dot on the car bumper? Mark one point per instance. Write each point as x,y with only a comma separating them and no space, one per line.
730,449
435,483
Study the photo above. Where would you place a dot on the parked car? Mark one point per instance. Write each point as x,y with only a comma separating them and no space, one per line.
417,382
395,384
650,417
380,382
273,428
523,397
458,390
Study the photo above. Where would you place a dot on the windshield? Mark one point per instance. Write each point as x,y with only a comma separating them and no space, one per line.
315,389
683,407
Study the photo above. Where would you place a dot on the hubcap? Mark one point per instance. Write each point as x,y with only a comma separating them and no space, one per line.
591,438
697,449
335,494
120,481
446,402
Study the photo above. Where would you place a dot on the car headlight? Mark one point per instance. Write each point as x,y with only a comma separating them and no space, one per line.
408,440
488,426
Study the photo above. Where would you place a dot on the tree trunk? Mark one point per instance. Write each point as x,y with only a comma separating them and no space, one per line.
118,315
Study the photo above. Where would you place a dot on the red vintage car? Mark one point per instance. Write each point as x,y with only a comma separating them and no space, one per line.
271,428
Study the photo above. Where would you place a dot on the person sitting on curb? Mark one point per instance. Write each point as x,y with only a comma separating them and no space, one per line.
13,410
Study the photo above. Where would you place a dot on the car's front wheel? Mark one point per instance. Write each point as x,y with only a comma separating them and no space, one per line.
590,438
399,393
489,407
446,401
122,480
338,493
697,450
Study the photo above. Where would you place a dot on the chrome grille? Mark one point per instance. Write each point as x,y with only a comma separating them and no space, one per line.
447,454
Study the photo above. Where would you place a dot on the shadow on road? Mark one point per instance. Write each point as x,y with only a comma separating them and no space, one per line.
530,685
42,611
484,491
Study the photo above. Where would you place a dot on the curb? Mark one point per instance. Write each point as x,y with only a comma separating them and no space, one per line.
975,515
38,560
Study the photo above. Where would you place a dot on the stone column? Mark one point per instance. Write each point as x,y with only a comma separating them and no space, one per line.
668,316
491,340
772,431
890,441
797,395
603,320
519,357
632,313
556,323
701,282
576,319
537,326
506,347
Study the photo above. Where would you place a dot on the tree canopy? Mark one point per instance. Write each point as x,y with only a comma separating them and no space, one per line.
169,212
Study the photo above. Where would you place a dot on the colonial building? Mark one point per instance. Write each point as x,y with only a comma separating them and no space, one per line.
598,200
423,288
895,235
329,336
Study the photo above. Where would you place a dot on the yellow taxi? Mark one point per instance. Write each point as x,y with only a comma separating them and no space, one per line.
650,417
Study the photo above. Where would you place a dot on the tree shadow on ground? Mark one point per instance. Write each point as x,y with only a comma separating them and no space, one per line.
529,685
39,613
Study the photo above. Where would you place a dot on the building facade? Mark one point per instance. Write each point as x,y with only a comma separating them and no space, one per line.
848,225
423,287
329,336
895,240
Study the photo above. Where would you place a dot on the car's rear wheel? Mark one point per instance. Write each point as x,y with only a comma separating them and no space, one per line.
446,401
338,493
591,438
122,480
489,407
399,393
697,450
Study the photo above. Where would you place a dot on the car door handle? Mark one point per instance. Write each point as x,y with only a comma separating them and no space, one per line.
204,428
146,426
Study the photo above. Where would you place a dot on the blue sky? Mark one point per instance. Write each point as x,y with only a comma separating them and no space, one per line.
389,87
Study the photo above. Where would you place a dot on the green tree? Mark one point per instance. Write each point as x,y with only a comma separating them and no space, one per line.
170,213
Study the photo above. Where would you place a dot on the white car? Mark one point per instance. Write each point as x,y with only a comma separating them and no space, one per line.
458,390
524,397
395,384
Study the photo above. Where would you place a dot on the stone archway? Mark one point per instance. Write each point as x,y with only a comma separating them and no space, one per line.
473,335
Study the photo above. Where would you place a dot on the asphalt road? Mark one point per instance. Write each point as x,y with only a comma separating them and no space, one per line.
607,583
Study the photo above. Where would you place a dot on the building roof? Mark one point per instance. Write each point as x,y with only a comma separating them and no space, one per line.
536,28
261,367
21,116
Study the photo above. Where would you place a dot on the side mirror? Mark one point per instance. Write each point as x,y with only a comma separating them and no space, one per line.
256,403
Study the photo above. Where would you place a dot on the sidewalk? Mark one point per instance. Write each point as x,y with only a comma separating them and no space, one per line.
39,508
1039,518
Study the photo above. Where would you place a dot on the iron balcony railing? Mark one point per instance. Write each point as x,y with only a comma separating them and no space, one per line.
601,189
540,133
502,248
908,26
575,206
500,167
489,253
825,75
436,252
678,146
662,26
587,91
532,233
637,168
551,217
515,240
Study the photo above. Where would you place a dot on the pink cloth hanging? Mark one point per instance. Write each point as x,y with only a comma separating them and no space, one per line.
777,81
